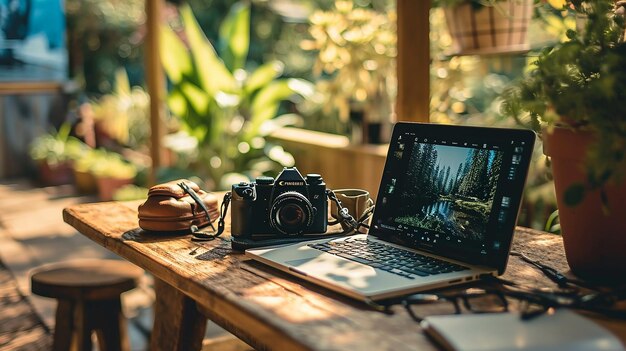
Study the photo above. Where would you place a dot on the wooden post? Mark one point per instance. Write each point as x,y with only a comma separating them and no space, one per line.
156,83
413,62
4,145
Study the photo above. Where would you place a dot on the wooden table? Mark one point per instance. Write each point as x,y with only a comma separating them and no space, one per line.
262,306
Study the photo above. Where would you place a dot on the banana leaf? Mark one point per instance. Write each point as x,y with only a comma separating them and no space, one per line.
212,73
174,56
235,36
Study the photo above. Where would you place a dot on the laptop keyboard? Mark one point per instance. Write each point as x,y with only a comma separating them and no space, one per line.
391,259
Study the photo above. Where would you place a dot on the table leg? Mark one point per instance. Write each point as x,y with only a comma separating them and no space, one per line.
178,326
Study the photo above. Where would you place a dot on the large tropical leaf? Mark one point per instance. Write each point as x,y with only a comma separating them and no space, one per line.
271,125
199,131
263,76
177,103
174,55
235,36
212,73
266,102
198,99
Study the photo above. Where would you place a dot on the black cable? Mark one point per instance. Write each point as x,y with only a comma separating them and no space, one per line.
551,273
364,217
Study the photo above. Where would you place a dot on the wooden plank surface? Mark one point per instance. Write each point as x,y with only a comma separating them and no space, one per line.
26,87
269,309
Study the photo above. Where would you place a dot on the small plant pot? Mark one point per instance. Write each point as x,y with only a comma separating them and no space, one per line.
85,182
363,131
487,30
108,185
595,242
58,174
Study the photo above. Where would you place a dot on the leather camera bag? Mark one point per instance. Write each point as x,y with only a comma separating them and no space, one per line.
170,208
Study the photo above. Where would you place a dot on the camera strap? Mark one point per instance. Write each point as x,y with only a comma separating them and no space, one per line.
199,235
198,201
346,218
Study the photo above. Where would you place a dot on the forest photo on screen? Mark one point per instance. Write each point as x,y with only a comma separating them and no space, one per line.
452,189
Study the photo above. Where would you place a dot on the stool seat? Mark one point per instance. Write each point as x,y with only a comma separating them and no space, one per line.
88,294
92,279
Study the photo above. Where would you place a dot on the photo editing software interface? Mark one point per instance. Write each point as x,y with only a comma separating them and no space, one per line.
449,193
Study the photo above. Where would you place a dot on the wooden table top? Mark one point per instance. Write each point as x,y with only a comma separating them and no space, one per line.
271,310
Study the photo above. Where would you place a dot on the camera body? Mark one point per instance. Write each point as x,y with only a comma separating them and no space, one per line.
289,205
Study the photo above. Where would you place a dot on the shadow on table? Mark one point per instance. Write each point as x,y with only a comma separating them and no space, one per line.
142,236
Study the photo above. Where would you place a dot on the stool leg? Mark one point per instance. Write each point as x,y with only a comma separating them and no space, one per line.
83,326
111,330
63,325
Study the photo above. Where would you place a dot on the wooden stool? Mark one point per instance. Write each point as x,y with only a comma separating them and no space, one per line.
88,294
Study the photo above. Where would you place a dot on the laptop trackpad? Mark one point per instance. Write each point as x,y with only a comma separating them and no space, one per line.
336,269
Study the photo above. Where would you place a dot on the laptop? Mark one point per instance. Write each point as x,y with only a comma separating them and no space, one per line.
445,214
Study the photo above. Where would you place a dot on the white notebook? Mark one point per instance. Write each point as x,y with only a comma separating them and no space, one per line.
562,330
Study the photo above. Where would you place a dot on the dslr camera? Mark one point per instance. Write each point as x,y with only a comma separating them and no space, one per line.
289,205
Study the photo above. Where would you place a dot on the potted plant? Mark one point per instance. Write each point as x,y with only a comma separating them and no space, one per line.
575,94
121,117
112,172
84,179
54,153
484,27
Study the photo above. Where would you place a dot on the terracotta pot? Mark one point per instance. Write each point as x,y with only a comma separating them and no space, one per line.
595,242
85,182
497,29
107,186
58,174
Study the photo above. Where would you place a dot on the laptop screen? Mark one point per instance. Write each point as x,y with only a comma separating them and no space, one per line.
454,191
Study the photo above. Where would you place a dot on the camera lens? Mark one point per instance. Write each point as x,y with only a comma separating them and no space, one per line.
291,213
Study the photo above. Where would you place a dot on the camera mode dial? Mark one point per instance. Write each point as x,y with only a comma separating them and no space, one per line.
245,190
264,180
314,179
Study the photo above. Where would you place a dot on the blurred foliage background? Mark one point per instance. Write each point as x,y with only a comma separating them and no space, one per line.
106,35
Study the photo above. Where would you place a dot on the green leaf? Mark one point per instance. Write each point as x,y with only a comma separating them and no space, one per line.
177,104
301,87
552,225
235,36
122,85
64,132
271,125
263,76
266,102
199,132
574,194
212,73
198,99
174,55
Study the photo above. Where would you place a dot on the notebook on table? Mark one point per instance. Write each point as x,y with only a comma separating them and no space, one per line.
445,214
556,330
